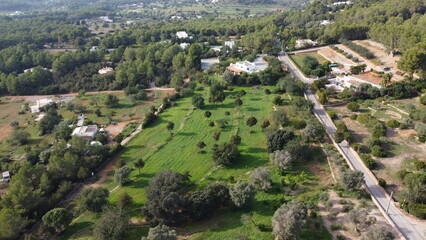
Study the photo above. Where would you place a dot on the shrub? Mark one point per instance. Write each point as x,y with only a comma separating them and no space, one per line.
332,114
353,106
423,99
347,208
378,151
393,123
368,161
335,227
353,116
419,165
340,237
417,209
382,183
299,124
401,174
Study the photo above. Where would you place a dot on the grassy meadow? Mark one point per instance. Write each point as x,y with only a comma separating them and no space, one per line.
179,152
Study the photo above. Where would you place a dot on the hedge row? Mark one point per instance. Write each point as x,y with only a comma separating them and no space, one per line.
359,49
417,209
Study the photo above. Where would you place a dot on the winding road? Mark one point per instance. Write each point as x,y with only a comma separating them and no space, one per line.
409,227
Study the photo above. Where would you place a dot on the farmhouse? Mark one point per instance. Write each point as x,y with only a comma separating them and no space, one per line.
39,104
86,132
230,44
182,35
244,66
106,70
304,43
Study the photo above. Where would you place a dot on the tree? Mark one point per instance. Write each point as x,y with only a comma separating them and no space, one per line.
63,131
170,126
57,218
166,198
216,136
413,60
124,201
93,199
281,159
198,101
379,232
289,220
161,232
251,121
352,179
235,139
122,174
278,140
265,124
50,120
14,124
19,137
201,145
313,133
111,101
242,193
386,79
113,225
260,178
139,164
280,117
207,114
83,173
225,154
11,224
238,102
353,106
278,101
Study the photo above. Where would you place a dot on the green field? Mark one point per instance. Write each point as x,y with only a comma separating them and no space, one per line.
179,153
298,60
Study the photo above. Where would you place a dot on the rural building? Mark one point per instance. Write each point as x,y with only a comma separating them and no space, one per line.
86,132
244,66
325,22
106,19
39,104
106,70
80,120
6,176
230,44
182,35
304,43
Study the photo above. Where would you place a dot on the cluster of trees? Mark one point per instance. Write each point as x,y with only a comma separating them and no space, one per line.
45,178
359,49
171,200
312,67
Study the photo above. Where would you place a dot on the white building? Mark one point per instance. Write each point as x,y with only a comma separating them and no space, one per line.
244,66
39,104
106,19
230,44
184,45
87,132
106,70
95,143
182,35
129,23
303,43
80,120
6,176
94,48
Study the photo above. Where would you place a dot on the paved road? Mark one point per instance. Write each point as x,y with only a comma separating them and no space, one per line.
409,228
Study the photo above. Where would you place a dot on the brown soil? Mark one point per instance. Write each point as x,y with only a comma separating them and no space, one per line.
370,77
103,174
114,130
335,57
6,130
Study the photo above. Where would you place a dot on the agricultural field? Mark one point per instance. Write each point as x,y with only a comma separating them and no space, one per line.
310,63
177,150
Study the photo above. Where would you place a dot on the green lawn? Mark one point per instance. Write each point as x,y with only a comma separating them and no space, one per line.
179,153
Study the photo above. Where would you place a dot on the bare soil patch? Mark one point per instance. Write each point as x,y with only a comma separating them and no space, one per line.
335,57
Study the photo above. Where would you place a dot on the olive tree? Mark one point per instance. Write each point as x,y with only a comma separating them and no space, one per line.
242,193
161,232
122,174
260,178
281,159
289,220
352,179
379,232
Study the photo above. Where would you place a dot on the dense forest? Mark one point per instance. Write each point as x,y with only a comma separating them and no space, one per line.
397,25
